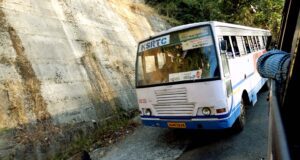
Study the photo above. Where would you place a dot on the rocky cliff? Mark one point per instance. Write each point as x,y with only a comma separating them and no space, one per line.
64,66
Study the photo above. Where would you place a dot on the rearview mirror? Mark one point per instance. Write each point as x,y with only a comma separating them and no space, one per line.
223,45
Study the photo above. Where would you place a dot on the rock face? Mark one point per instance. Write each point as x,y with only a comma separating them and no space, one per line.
63,65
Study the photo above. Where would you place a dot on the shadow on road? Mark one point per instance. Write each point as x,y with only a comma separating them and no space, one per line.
196,138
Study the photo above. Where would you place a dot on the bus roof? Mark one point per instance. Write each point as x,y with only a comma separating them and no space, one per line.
213,23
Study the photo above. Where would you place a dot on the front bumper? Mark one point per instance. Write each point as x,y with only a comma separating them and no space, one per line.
194,122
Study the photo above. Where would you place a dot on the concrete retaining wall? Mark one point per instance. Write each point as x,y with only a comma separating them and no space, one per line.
66,62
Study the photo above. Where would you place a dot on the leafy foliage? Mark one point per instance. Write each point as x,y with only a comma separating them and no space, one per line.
257,13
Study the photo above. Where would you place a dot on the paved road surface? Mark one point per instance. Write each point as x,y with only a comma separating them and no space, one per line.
148,143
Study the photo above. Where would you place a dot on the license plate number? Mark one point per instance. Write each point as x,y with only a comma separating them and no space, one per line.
176,125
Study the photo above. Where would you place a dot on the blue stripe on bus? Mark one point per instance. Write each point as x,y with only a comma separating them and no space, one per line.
217,124
193,117
188,117
241,81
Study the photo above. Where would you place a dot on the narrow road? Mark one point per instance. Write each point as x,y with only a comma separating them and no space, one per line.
148,143
250,144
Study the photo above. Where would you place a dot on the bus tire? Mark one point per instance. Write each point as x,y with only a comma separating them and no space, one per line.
241,120
245,100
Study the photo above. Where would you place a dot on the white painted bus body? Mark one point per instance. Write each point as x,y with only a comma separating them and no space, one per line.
183,103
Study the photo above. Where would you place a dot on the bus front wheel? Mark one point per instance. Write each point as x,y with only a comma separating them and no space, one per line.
241,120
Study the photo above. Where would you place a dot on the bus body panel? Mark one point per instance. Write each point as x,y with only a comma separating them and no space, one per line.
202,94
243,72
197,94
195,122
183,108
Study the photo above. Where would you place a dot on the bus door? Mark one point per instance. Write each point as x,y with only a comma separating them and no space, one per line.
225,66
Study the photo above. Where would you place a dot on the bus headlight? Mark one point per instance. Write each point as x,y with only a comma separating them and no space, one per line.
206,111
148,112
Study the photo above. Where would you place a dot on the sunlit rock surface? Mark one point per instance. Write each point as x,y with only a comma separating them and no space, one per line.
63,65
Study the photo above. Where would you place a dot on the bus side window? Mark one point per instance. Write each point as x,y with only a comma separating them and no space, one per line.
255,43
235,45
240,43
247,44
258,43
229,51
250,44
262,42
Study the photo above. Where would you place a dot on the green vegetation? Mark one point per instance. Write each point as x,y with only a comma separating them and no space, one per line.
257,13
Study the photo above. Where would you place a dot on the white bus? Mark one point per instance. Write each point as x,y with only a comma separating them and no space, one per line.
199,76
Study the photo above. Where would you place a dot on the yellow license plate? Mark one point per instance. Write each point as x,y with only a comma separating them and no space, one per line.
176,125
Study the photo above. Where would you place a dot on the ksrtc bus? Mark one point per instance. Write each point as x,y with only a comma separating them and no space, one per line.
200,75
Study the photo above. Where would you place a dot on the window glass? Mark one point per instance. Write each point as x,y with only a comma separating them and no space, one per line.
254,43
141,74
258,42
240,44
235,46
161,59
262,42
150,65
247,44
252,49
265,40
229,51
228,87
180,56
225,65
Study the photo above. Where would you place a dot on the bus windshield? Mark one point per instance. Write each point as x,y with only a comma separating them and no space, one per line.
180,56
